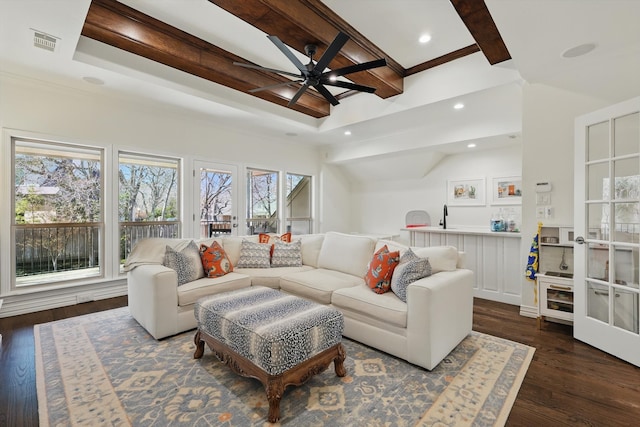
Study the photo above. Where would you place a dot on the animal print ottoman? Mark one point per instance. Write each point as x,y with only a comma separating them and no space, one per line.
278,338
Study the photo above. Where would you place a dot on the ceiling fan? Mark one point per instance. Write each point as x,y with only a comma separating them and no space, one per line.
313,74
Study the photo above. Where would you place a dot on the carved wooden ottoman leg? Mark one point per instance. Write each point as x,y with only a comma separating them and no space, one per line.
338,362
199,346
275,390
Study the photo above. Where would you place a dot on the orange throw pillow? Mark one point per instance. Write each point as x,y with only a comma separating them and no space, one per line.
380,270
215,260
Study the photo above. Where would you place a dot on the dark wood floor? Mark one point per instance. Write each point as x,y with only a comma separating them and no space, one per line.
568,383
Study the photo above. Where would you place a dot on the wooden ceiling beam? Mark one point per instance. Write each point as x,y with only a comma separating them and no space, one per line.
118,25
476,16
301,22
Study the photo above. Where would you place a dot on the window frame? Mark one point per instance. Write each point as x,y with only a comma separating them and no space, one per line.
103,260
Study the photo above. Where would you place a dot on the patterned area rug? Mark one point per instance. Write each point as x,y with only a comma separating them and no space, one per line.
104,369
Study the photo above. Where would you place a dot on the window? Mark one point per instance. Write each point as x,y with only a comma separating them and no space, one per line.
298,203
58,217
262,201
148,204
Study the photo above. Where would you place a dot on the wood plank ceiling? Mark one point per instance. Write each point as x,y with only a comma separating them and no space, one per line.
296,23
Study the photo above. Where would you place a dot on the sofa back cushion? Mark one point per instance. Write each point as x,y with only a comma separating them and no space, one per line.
311,245
346,253
152,250
441,258
391,245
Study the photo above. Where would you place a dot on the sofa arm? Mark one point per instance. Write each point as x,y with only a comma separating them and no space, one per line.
153,299
439,315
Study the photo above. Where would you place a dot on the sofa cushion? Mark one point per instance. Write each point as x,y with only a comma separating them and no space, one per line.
380,269
410,269
360,299
311,245
214,260
254,255
190,292
391,245
270,277
441,258
186,262
346,253
318,284
286,254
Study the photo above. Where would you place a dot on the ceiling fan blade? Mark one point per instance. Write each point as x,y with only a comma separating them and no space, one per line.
272,70
284,49
298,94
323,90
259,89
348,85
331,51
358,67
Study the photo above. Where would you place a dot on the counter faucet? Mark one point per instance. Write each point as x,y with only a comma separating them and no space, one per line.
444,217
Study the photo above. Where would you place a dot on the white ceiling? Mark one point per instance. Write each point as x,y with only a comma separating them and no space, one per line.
536,33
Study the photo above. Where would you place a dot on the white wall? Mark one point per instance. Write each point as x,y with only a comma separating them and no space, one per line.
380,204
547,156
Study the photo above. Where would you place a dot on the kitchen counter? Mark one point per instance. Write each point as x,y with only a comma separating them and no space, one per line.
494,257
484,231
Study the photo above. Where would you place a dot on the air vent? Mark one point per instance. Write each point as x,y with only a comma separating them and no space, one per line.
44,41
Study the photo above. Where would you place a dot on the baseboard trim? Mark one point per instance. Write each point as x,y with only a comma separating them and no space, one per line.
15,305
528,311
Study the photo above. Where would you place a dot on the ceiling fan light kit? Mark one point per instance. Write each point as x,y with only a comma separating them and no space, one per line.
313,74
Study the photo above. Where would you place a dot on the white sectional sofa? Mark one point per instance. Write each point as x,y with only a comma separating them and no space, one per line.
436,317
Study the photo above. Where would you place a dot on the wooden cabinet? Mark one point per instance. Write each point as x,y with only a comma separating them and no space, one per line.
555,297
555,277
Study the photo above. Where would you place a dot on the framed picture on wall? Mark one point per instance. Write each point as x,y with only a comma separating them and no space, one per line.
506,190
466,192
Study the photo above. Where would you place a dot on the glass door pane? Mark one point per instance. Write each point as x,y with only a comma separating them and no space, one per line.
217,206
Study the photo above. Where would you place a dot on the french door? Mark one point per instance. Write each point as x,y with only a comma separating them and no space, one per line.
216,199
607,223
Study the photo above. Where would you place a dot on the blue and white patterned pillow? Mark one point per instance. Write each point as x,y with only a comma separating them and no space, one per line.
410,269
287,254
254,255
186,263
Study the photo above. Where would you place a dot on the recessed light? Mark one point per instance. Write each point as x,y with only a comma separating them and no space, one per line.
459,106
425,38
579,50
347,132
332,78
472,145
93,80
